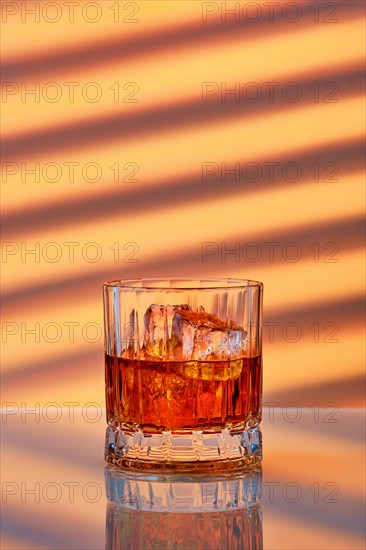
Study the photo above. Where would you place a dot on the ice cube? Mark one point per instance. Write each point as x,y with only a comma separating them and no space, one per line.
236,343
158,321
203,336
177,333
154,337
182,338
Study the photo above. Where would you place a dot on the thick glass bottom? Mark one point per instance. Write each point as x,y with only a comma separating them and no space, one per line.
187,452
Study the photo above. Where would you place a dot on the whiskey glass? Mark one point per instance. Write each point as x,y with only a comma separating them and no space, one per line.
183,372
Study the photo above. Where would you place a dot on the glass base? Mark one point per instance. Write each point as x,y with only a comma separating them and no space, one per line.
188,452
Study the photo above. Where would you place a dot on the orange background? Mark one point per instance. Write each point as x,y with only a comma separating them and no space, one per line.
169,52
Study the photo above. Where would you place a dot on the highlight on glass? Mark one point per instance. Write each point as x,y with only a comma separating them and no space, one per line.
183,371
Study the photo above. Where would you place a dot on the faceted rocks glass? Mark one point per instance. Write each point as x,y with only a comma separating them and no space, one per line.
183,372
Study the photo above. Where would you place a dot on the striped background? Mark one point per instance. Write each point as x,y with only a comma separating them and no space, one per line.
168,53
169,212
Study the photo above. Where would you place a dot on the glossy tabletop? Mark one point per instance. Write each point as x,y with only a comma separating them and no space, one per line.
310,494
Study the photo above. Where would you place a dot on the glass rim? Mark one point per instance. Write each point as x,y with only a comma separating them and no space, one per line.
150,283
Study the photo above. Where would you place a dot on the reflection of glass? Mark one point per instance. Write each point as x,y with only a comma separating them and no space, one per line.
183,512
183,373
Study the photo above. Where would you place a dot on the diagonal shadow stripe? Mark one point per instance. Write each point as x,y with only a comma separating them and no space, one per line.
44,439
350,82
345,313
348,234
86,362
22,521
346,518
334,414
183,36
347,157
347,392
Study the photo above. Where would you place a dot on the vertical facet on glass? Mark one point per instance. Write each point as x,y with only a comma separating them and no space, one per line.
183,373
